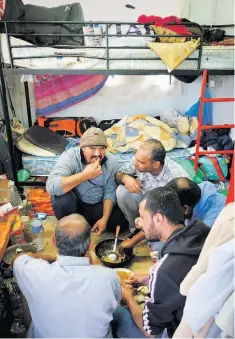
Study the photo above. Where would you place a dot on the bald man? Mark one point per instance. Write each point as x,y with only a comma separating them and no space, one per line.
60,295
201,201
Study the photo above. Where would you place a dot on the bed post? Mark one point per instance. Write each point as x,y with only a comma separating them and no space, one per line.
8,124
27,99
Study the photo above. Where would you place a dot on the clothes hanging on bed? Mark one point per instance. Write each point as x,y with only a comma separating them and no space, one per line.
54,93
16,10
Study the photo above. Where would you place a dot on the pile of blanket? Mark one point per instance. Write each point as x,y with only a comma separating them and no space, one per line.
129,133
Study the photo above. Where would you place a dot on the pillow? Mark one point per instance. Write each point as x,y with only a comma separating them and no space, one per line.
159,30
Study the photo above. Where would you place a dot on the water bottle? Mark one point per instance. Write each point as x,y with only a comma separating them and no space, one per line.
97,39
89,40
38,234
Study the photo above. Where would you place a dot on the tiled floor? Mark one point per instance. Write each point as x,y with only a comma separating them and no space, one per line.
140,263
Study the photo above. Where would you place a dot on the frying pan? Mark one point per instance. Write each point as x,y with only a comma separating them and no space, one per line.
105,247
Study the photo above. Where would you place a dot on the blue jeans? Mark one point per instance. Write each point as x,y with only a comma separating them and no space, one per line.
124,326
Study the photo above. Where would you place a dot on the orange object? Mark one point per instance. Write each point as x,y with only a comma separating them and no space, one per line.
40,200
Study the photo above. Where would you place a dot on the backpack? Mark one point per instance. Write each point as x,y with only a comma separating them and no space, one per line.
67,127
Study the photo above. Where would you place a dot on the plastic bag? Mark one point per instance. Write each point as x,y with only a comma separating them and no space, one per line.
193,111
188,166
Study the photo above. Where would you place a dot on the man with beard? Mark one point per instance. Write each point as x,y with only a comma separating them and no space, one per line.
83,181
151,168
162,217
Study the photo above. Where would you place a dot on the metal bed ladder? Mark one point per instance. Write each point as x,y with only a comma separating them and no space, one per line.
201,127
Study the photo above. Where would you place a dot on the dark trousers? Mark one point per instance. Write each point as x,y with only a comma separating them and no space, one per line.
69,203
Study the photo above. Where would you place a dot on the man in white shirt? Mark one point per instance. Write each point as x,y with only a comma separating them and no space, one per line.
151,168
69,298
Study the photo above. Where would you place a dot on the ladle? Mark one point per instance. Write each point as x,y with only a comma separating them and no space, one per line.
113,256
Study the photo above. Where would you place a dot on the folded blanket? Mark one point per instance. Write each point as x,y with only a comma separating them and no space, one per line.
131,132
173,54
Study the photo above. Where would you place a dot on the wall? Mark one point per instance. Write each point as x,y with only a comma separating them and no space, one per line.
135,94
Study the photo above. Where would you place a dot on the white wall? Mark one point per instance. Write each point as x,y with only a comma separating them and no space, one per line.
135,94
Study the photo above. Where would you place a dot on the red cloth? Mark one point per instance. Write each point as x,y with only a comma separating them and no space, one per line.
2,8
159,21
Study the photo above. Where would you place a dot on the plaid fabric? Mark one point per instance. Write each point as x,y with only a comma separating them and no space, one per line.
148,181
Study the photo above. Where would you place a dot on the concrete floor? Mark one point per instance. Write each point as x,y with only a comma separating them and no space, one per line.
140,263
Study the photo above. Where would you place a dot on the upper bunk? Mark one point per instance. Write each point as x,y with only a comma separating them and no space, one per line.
126,48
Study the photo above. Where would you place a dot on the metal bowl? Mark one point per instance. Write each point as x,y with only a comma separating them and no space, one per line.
105,247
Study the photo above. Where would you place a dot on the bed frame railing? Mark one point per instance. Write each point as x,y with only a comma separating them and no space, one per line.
5,28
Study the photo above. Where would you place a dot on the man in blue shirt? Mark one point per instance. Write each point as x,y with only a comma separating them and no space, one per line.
69,298
201,201
83,181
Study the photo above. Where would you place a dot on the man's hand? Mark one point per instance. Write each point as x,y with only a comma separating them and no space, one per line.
138,223
127,294
137,279
132,184
92,171
100,226
128,243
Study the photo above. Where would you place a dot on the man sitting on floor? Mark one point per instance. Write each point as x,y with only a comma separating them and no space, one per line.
83,181
201,202
150,169
162,217
61,295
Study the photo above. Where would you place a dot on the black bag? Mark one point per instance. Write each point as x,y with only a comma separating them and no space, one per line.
72,12
106,124
67,127
16,10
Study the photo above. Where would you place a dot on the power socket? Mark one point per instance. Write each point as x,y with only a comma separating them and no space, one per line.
216,81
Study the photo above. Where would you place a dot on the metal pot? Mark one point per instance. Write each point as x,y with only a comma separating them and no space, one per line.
13,251
104,248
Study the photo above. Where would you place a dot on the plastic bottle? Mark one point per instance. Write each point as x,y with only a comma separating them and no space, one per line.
97,39
89,40
38,234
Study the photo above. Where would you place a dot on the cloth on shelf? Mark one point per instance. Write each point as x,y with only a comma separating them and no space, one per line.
218,139
131,132
55,93
175,53
46,139
162,22
158,30
224,42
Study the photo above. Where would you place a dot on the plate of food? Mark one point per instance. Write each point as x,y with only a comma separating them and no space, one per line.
123,273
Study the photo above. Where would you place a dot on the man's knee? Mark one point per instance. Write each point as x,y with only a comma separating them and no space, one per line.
123,196
65,204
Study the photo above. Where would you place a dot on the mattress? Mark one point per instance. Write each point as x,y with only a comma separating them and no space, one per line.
213,57
42,166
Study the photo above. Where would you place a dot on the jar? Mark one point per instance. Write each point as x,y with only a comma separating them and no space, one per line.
28,237
38,234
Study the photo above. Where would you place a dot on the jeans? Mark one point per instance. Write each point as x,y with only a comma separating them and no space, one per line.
69,203
129,204
124,326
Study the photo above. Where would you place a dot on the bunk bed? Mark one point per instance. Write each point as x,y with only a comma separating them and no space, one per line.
124,54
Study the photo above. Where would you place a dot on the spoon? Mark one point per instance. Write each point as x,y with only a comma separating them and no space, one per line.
113,256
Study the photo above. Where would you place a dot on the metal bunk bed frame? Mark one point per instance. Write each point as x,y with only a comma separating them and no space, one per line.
14,70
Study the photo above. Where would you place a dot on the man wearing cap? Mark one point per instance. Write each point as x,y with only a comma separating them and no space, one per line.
83,181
